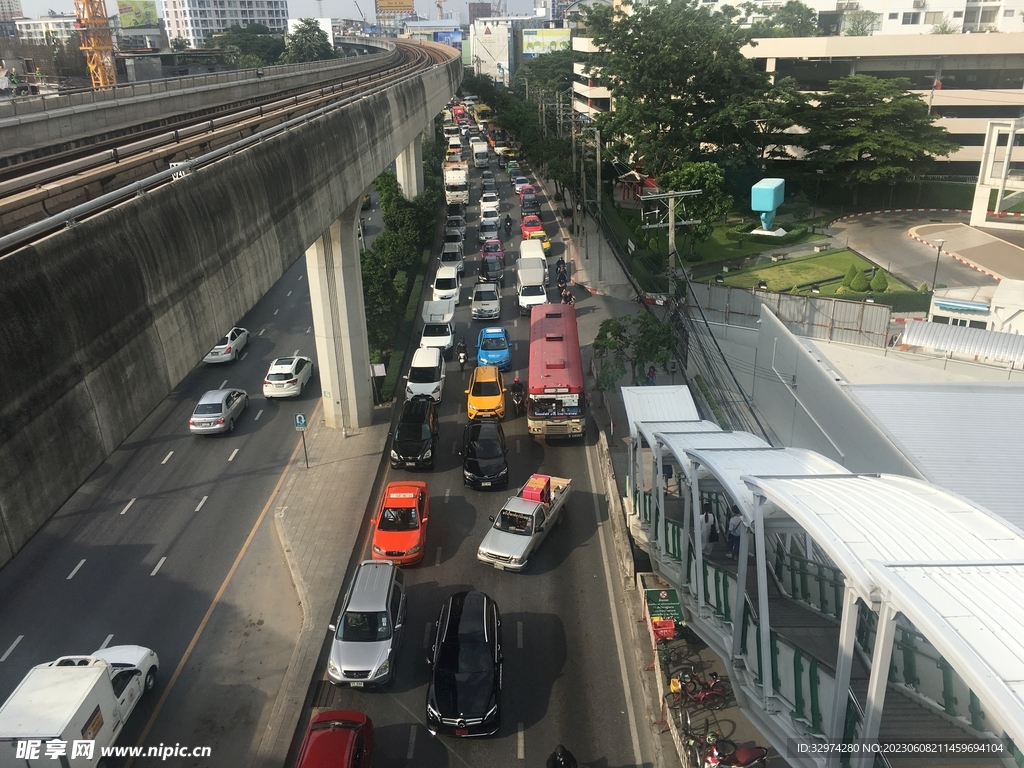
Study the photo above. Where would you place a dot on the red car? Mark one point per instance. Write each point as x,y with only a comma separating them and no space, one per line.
527,190
530,224
493,248
337,739
400,527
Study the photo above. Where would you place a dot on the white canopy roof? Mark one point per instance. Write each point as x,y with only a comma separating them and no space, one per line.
680,443
668,403
650,429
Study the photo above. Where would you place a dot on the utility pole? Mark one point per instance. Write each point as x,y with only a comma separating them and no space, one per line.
597,137
558,101
672,224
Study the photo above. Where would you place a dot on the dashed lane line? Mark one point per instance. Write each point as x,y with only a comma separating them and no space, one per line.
167,457
19,638
128,506
201,502
162,560
106,642
73,572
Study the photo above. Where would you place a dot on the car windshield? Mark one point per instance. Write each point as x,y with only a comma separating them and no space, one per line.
451,256
532,290
207,409
279,376
485,389
490,186
492,247
485,296
484,448
452,237
514,522
463,659
364,626
412,432
445,283
436,329
489,225
491,343
424,375
398,519
454,223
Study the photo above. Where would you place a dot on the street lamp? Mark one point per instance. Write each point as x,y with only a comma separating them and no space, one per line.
814,208
935,275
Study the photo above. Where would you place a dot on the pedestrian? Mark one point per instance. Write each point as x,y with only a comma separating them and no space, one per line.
561,758
651,376
733,541
708,529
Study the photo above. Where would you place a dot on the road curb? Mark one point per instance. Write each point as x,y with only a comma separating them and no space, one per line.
897,210
616,514
966,262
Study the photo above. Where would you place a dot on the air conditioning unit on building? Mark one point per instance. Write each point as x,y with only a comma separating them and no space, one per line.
920,4
848,6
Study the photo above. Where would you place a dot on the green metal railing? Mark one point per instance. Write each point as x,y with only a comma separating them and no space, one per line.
817,584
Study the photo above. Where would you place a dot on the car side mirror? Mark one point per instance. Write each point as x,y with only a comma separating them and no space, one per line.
467,391
406,377
540,529
332,627
430,661
491,518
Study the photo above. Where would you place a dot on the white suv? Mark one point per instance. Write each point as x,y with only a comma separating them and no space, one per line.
287,376
446,284
426,374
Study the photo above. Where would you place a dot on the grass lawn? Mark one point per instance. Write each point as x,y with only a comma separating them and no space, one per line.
818,268
719,248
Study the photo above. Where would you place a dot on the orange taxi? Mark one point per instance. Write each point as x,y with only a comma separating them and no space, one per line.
400,526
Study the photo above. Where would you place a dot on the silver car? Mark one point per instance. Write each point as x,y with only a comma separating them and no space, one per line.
217,411
369,629
457,223
229,347
486,303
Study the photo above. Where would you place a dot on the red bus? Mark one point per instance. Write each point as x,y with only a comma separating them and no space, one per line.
556,402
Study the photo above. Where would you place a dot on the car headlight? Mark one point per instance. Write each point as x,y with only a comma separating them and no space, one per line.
377,550
414,550
394,454
467,474
515,560
383,668
433,711
491,713
408,392
428,453
504,471
437,390
333,669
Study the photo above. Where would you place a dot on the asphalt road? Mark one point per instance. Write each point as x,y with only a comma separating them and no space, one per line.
563,679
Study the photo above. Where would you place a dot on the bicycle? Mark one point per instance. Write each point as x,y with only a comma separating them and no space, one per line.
706,747
690,688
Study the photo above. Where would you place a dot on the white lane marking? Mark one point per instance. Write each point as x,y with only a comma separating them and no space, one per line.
626,689
515,323
412,744
106,642
295,353
260,413
233,454
201,502
262,330
289,293
455,447
426,636
243,355
519,445
447,493
300,278
458,409
223,384
171,453
437,560
515,345
310,329
127,506
162,559
276,311
519,634
521,743
17,640
71,575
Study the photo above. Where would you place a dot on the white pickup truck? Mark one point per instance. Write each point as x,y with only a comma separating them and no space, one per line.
524,522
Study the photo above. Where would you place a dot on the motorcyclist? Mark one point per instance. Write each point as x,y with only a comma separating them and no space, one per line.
508,224
518,393
561,758
461,353
567,297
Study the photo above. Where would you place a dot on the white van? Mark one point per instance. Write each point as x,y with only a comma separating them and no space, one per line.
530,291
533,262
481,157
438,326
446,284
426,374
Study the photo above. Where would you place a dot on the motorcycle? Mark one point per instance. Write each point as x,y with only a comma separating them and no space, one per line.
508,228
462,359
519,401
562,279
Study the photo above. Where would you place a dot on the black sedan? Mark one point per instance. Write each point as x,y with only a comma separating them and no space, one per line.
415,443
464,694
483,454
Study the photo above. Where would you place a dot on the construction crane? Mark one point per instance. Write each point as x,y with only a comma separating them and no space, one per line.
440,9
361,14
97,42
319,9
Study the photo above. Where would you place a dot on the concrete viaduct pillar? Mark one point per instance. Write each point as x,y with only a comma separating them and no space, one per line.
409,168
339,322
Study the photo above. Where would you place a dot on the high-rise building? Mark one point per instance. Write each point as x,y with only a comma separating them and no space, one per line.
10,10
198,20
45,29
476,11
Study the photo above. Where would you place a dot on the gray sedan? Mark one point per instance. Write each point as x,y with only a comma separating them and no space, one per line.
217,411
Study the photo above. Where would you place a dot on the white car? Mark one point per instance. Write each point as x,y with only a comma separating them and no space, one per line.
287,376
446,284
457,223
490,214
488,230
426,374
229,347
489,200
486,304
519,182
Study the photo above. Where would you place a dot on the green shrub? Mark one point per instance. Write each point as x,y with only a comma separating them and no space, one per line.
851,273
743,232
879,283
905,301
859,284
922,288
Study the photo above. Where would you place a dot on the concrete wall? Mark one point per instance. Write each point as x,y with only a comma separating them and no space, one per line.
65,120
104,319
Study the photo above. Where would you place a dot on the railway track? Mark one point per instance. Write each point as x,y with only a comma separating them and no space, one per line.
97,180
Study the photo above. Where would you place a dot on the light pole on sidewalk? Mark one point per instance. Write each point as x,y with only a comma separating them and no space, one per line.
935,275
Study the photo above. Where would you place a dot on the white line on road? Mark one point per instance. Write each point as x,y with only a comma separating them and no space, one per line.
295,353
158,566
201,502
127,506
426,636
626,689
515,323
233,454
458,408
276,311
71,575
437,560
447,493
106,642
455,447
300,278
515,345
171,453
519,634
243,355
258,414
262,330
289,293
17,640
310,329
412,744
521,743
223,384
519,445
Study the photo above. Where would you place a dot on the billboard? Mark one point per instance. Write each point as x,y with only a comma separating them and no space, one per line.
452,37
540,41
137,13
392,7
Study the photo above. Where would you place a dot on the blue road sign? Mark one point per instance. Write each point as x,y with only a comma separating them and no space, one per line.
300,422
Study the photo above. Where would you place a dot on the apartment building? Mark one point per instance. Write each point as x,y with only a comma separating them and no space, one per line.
10,10
198,20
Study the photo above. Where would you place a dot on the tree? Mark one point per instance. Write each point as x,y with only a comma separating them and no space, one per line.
307,43
859,282
245,43
674,69
879,283
549,72
708,207
851,273
635,340
758,123
794,19
859,23
179,44
946,27
868,130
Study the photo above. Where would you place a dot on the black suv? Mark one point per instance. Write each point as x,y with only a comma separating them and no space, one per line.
491,270
464,693
483,454
415,443
530,204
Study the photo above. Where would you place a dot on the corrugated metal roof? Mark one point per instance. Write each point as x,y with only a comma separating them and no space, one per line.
993,346
667,403
968,438
650,428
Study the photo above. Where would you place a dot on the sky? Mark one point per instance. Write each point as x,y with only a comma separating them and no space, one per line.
339,9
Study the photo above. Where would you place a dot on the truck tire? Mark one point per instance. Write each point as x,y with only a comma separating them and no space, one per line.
151,679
